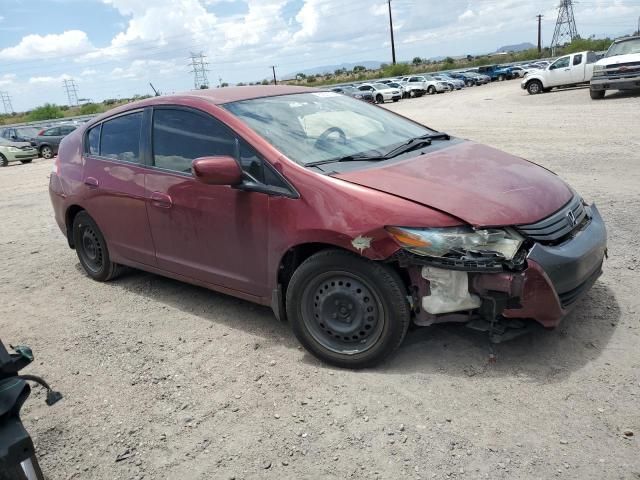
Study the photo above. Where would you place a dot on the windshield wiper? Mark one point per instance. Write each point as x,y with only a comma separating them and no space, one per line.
411,144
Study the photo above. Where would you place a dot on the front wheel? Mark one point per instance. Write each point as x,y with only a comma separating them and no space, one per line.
431,90
379,99
92,250
534,87
346,310
396,100
597,94
3,161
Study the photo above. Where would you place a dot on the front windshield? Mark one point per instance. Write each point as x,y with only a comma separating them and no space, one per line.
321,126
624,48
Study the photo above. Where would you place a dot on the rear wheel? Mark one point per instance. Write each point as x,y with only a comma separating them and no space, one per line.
534,87
46,151
3,161
92,250
346,310
597,94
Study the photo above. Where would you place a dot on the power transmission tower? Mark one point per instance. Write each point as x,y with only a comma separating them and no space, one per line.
199,70
565,30
72,90
6,102
393,43
539,33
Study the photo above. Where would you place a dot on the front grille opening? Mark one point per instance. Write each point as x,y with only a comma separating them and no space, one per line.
559,226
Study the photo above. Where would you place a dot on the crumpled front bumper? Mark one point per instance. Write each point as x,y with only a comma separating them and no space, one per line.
555,278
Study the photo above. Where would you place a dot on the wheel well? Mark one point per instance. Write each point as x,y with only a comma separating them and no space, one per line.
294,257
72,211
44,145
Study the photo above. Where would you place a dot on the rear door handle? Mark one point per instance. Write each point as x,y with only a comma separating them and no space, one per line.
91,182
161,200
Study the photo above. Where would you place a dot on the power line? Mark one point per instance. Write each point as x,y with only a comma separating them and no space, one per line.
71,88
199,70
565,30
6,102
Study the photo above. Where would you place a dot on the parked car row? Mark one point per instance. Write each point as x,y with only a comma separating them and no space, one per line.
42,142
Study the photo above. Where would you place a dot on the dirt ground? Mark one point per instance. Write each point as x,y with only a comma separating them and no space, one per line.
164,380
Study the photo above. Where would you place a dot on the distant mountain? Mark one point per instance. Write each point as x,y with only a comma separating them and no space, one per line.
516,48
370,65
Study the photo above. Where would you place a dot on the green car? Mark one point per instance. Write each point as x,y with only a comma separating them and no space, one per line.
16,152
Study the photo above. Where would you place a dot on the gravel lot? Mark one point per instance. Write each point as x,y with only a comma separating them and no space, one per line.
166,380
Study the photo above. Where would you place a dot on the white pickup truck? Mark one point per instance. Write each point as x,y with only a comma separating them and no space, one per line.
567,71
619,69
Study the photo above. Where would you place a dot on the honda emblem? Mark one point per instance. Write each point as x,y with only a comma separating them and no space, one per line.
571,218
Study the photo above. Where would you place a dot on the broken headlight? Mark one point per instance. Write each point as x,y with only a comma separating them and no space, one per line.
457,241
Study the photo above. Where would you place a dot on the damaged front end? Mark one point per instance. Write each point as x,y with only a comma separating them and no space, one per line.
494,280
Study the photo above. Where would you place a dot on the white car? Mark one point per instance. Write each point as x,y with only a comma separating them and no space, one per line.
381,92
429,85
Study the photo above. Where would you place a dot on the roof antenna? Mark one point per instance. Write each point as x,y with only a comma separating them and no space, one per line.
154,90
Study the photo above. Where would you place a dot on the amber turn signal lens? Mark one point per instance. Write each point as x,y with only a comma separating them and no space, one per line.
407,239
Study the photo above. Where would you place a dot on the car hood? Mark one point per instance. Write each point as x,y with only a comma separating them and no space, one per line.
629,57
16,144
475,183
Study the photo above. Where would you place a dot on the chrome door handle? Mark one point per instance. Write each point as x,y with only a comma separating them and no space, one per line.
161,200
91,182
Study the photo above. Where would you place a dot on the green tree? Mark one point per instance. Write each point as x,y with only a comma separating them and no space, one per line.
224,84
301,76
358,68
265,82
449,61
396,70
311,79
417,61
89,109
47,111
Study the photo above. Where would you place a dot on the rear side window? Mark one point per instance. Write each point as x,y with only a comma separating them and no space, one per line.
577,59
93,141
52,132
180,136
120,138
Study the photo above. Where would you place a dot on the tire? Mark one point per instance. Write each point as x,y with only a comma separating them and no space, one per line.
379,99
3,161
501,78
26,161
92,250
597,94
534,87
412,94
369,296
431,90
396,100
46,152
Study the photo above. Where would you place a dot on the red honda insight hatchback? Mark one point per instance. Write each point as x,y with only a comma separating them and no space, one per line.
350,221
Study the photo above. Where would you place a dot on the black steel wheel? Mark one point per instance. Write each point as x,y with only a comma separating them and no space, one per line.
92,250
346,310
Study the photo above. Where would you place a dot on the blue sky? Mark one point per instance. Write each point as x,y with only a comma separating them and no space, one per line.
113,48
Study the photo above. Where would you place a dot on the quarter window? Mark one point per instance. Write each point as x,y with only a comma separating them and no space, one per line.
120,138
93,141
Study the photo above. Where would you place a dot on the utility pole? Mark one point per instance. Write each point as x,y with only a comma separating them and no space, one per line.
6,102
199,70
539,33
565,30
71,88
393,43
275,81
